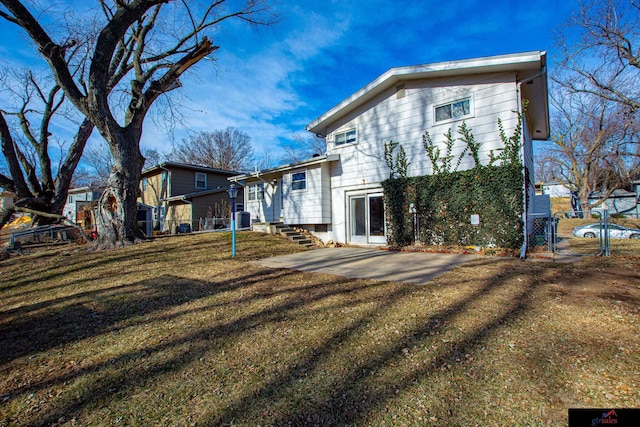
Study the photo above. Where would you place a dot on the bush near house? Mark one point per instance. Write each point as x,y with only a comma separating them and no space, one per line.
445,202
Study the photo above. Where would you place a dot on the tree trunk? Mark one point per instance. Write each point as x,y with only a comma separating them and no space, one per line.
117,209
584,204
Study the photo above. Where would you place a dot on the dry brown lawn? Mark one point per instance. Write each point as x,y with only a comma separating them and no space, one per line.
175,332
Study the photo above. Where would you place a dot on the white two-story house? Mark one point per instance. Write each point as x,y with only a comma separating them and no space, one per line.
339,197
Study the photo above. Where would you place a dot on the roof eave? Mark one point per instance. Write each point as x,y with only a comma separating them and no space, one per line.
493,64
280,169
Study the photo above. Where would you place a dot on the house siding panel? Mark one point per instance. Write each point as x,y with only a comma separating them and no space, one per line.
309,206
263,210
155,190
405,120
183,182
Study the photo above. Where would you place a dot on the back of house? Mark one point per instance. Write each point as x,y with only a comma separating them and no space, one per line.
339,196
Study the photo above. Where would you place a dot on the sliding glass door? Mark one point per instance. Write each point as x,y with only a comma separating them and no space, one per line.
366,219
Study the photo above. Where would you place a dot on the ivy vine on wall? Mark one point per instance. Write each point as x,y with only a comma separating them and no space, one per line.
436,209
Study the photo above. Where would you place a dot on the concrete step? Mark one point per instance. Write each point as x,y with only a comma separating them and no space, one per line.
293,235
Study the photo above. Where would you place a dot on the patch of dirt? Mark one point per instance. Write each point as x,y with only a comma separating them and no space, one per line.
612,279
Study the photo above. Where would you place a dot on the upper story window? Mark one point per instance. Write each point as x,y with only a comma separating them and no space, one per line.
70,200
256,191
144,184
201,181
453,110
299,180
348,137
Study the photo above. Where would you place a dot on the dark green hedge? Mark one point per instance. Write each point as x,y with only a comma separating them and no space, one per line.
445,202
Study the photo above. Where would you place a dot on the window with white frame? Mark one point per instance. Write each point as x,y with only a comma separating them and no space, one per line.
299,181
454,110
256,191
144,184
347,137
201,181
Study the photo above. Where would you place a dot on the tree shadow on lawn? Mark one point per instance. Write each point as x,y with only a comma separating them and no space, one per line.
168,291
38,327
19,271
367,384
361,390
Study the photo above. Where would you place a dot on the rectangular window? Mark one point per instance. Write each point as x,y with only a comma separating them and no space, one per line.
201,181
70,199
299,180
256,191
239,207
453,110
348,137
144,184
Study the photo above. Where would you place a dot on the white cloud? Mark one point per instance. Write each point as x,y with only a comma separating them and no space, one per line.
256,90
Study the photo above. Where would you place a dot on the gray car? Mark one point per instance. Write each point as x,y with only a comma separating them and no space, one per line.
615,231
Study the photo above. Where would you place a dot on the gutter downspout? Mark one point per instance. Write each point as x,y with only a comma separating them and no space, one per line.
525,186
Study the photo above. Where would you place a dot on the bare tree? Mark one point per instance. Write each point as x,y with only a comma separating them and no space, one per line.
98,161
152,157
130,65
597,98
228,149
265,160
545,166
592,137
300,148
604,57
40,184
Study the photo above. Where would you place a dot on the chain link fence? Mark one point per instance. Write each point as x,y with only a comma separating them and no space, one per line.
542,232
596,233
182,226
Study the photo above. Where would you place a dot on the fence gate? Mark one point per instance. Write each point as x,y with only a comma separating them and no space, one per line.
589,236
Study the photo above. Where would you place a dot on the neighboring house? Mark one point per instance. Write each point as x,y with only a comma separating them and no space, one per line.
339,196
619,201
183,196
80,202
554,189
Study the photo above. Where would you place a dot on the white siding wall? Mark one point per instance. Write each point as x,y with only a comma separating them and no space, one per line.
311,205
267,209
70,207
404,120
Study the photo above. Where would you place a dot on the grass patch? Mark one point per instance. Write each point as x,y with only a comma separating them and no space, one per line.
175,332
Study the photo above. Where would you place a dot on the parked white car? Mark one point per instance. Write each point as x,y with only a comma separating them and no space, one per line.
615,231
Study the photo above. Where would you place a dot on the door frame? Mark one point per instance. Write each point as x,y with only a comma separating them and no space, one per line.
368,238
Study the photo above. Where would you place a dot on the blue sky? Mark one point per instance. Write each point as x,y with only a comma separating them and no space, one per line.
271,81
